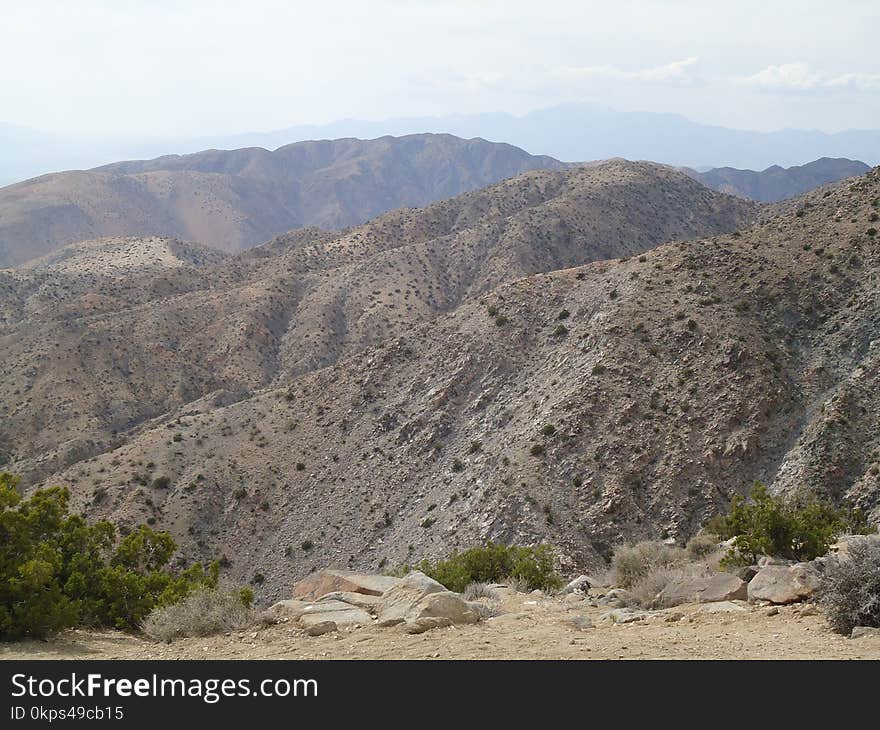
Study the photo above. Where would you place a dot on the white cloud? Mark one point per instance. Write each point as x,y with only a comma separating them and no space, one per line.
800,77
674,72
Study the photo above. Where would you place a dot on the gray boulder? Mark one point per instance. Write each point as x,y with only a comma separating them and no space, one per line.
321,628
344,615
781,584
703,589
401,598
861,631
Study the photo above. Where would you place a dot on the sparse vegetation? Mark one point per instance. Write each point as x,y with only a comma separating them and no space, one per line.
850,588
203,612
633,563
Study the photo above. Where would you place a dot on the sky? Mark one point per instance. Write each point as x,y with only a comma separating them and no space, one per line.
192,67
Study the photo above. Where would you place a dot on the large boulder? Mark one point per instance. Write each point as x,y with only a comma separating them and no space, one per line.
344,615
331,581
444,605
291,609
399,600
361,600
703,589
422,603
782,584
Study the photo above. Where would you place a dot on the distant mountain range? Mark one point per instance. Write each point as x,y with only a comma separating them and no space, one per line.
571,132
237,199
777,183
232,200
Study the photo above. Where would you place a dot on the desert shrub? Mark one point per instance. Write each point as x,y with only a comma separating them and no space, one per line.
57,571
548,429
633,563
203,612
702,545
646,589
850,588
479,590
492,563
766,525
162,482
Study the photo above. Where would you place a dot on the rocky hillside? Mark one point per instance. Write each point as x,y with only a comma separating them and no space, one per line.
231,200
89,355
778,183
584,406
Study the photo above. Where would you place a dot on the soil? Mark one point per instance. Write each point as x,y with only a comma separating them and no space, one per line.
532,627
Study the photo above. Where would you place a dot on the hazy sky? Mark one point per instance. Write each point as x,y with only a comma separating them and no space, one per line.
169,67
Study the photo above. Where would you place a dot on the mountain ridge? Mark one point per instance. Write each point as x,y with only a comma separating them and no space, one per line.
235,199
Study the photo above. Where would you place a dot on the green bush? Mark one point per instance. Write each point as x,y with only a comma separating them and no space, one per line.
57,571
765,525
493,563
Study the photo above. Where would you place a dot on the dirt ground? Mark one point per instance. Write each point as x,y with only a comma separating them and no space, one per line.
531,628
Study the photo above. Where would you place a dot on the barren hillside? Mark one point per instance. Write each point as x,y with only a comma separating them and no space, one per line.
89,355
585,406
234,199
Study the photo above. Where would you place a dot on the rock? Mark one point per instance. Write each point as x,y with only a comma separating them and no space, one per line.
288,609
766,560
361,600
330,581
398,601
580,623
721,607
426,623
443,605
623,616
343,614
583,583
783,583
616,597
845,542
703,589
861,631
321,628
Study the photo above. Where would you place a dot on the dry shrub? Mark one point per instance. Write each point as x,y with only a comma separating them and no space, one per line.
703,545
633,563
484,600
645,591
850,589
201,613
480,590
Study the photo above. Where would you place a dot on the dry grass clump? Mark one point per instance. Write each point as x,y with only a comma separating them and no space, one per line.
475,591
484,600
850,589
703,545
646,591
201,613
631,564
